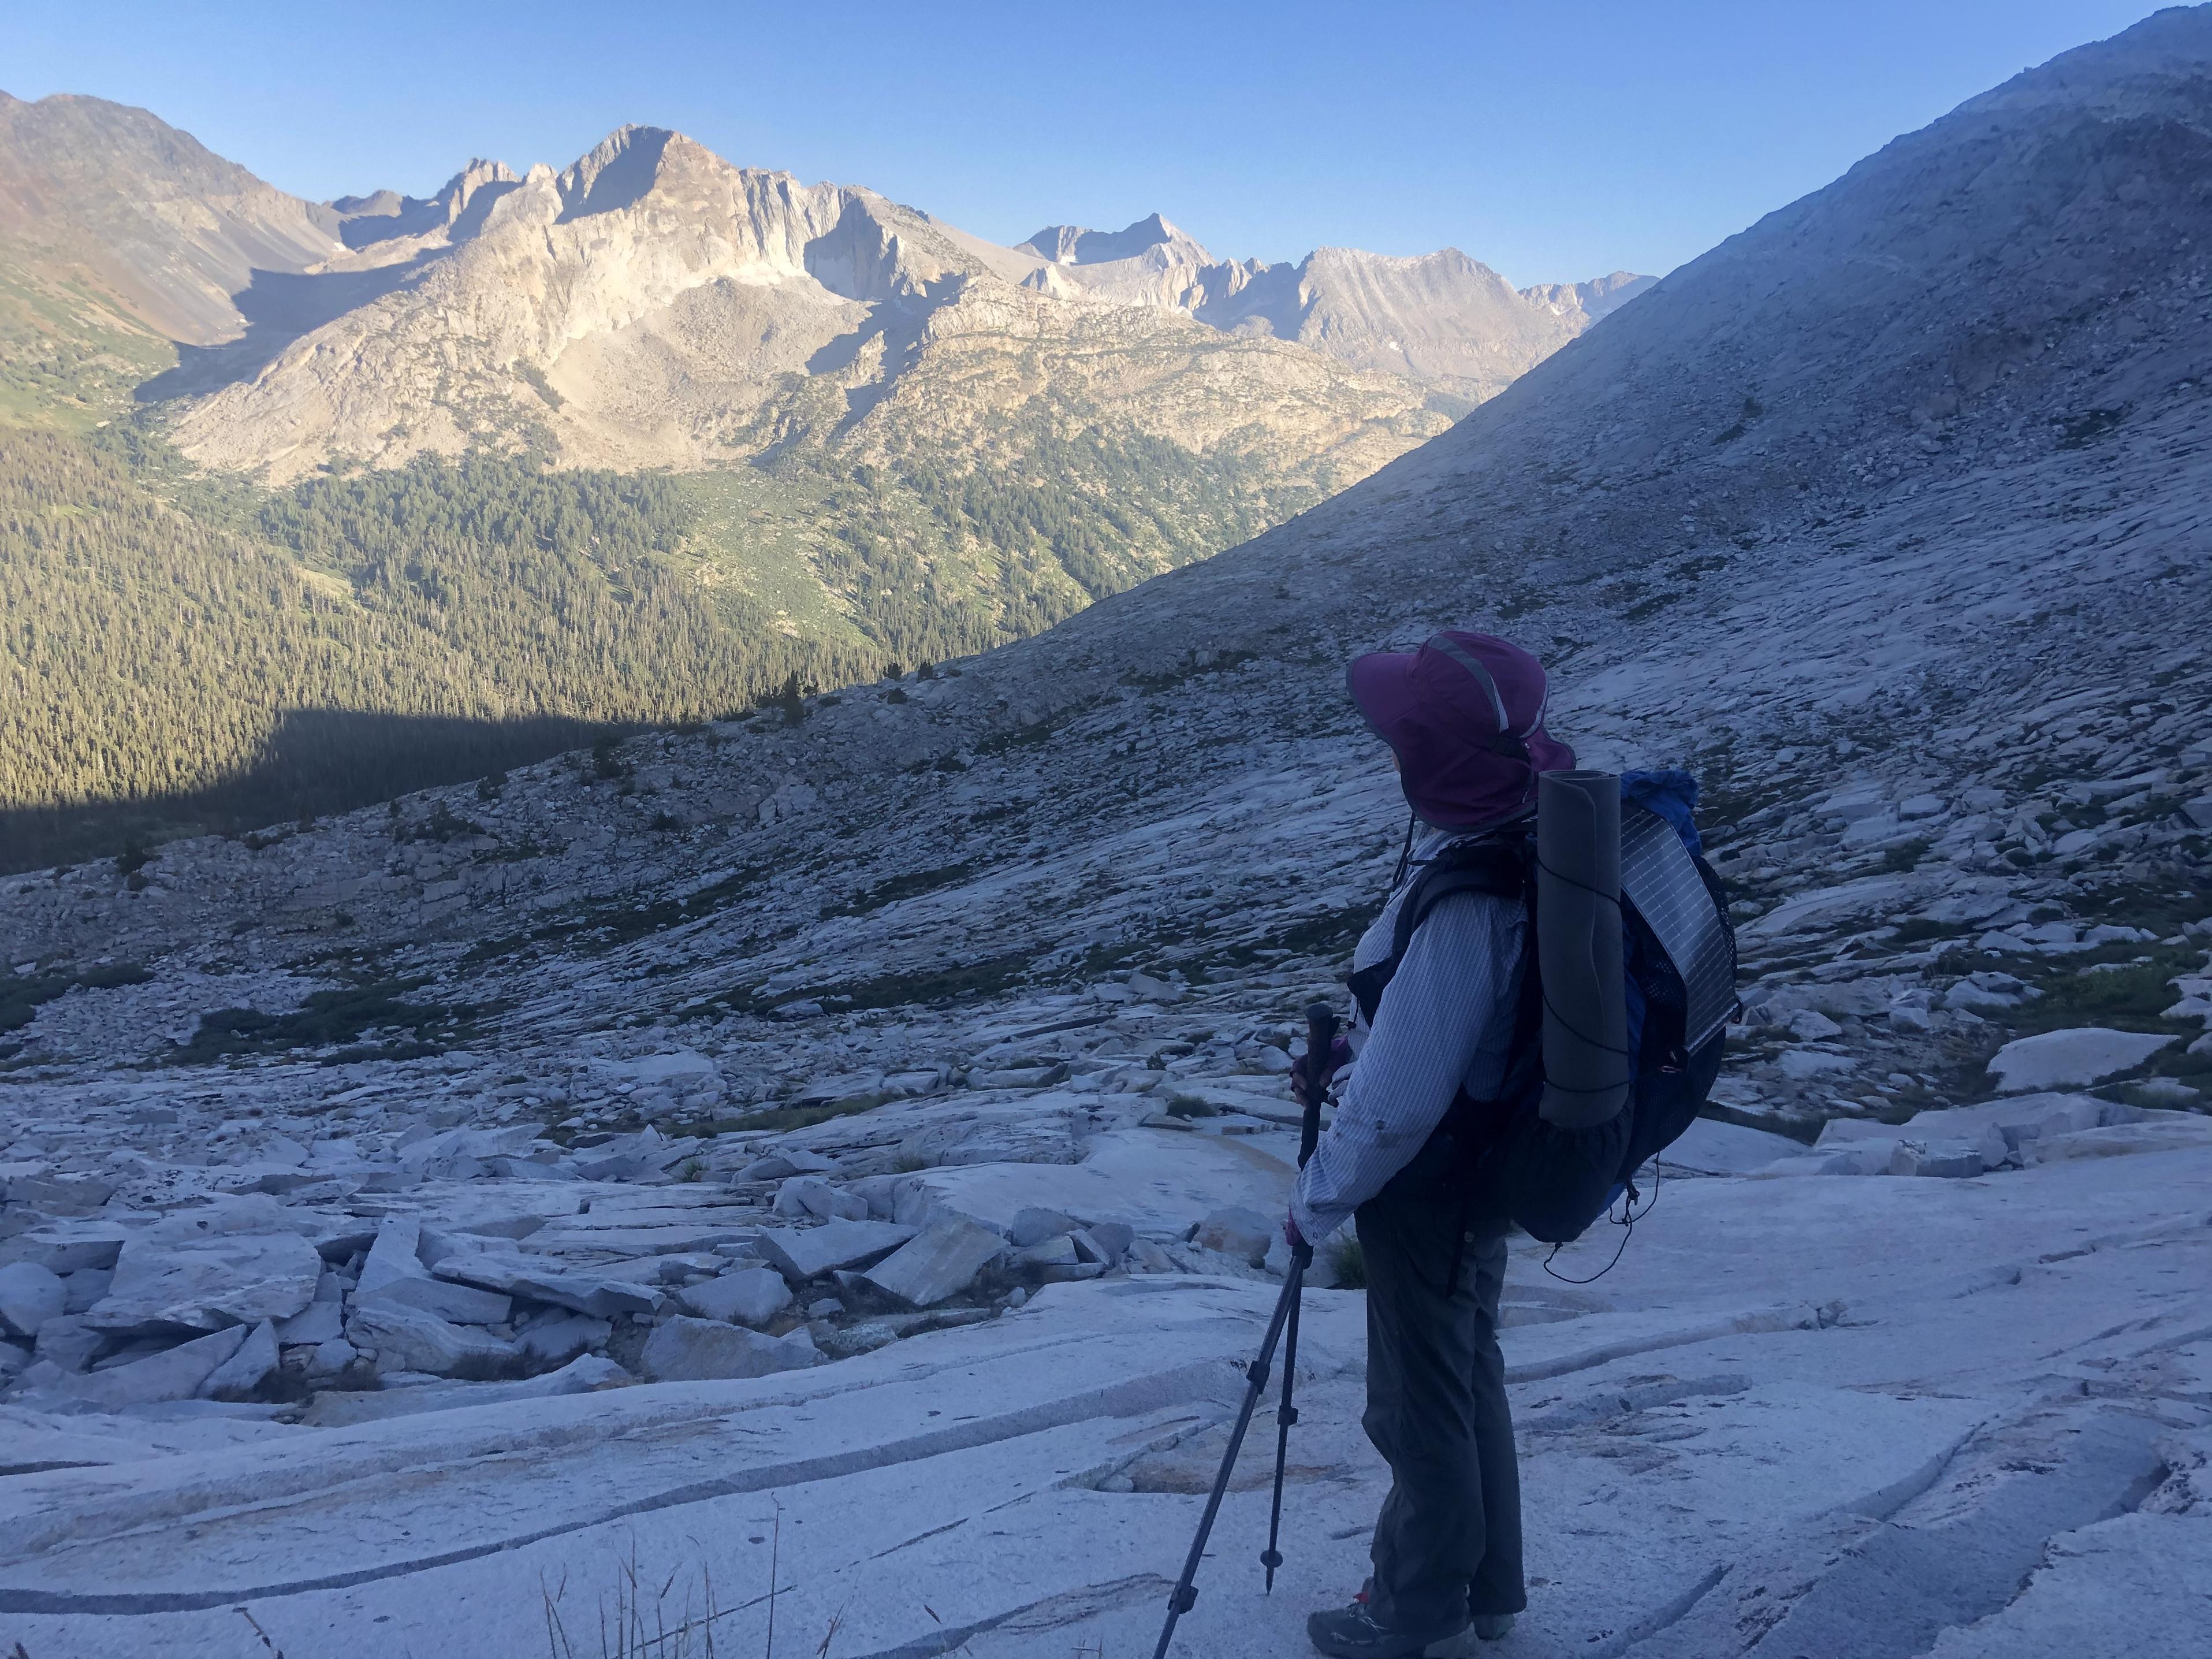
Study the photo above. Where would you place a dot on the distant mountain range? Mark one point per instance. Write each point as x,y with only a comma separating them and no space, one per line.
653,305
893,440
1442,319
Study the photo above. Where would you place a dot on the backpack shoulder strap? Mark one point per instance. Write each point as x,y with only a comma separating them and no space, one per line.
1500,864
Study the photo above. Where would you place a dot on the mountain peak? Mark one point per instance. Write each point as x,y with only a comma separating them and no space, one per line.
617,171
1077,245
457,207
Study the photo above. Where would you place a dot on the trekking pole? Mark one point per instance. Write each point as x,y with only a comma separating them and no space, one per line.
1320,1038
1184,1596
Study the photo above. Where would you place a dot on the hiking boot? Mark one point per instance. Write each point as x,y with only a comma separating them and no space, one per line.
1492,1627
1353,1633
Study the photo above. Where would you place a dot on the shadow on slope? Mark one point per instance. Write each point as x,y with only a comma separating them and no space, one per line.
278,307
318,760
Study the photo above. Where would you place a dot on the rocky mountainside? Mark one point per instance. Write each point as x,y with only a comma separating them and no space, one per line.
655,306
1441,318
715,1058
119,235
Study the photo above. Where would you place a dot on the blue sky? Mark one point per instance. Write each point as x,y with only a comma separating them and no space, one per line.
1554,142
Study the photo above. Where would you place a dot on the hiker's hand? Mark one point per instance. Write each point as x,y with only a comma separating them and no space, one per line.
1291,1235
1302,1071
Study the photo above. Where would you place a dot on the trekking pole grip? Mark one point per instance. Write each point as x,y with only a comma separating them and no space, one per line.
1321,1039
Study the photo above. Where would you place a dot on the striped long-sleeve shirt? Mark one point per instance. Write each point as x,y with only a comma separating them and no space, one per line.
1445,1023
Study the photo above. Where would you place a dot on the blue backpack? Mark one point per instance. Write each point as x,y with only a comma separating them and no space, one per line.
1679,961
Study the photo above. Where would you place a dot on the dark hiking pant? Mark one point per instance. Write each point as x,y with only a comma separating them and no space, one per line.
1449,1538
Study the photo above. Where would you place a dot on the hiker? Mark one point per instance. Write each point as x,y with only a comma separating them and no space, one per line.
1463,717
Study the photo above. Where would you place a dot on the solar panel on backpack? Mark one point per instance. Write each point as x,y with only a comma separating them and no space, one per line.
1660,879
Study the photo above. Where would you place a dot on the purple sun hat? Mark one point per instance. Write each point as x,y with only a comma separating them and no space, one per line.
1465,716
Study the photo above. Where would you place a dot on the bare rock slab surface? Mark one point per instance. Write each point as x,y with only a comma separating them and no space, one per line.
808,1253
2071,1059
940,1262
206,1283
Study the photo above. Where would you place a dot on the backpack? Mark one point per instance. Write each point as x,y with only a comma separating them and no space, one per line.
1679,962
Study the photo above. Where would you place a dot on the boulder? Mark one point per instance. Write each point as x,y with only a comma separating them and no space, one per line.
1050,1253
29,1296
1953,1158
880,1193
60,1195
1237,1231
396,1255
1034,1225
69,1343
579,1375
853,1340
802,1195
1114,1238
2154,1132
1802,1065
2071,1059
1859,998
178,1373
746,1296
1018,1077
1912,1014
539,1278
940,1262
66,1247
562,1336
1967,994
806,1253
2168,1093
1865,1158
805,1195
331,1358
206,1283
707,1350
464,1304
405,1339
318,1322
1710,1147
86,1286
243,1373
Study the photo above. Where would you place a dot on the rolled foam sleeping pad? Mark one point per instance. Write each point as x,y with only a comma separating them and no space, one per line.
1586,1062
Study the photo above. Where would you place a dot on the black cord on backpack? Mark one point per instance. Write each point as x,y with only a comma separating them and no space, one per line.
1625,1221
